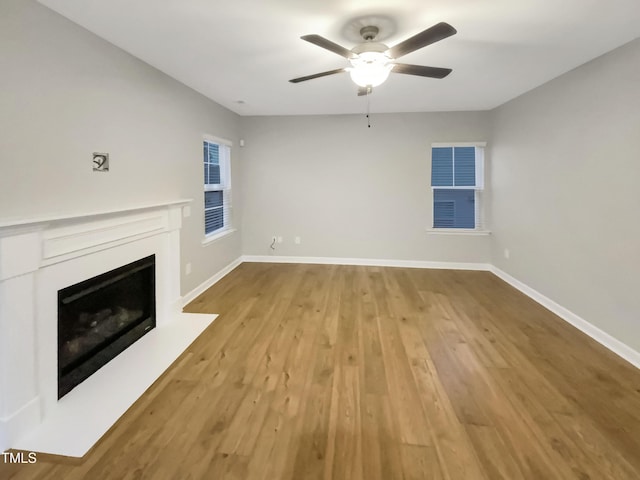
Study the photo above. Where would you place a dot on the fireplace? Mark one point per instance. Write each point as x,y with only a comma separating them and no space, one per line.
100,317
42,257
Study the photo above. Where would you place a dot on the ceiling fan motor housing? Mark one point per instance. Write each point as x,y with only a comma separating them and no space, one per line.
370,47
369,33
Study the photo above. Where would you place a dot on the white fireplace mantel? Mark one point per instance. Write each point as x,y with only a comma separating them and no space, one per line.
40,256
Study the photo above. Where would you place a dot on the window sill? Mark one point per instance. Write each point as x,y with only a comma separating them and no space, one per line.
214,237
457,231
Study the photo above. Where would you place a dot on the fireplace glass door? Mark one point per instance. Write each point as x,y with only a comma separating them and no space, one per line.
102,316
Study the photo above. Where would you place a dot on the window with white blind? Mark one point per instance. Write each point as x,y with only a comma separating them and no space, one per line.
217,186
457,182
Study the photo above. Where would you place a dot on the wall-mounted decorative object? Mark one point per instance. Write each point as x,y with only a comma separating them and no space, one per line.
100,162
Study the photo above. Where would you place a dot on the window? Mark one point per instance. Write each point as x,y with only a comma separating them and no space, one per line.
457,181
217,186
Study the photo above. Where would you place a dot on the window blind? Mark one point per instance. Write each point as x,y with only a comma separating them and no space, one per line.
443,213
456,180
211,163
464,167
442,167
213,211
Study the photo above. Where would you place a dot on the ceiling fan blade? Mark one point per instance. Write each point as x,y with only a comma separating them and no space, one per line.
317,75
421,70
431,35
362,91
328,45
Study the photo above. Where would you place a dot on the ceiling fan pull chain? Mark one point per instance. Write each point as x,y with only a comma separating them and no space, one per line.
368,108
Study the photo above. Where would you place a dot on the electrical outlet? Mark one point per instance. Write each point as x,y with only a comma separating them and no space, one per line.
297,240
507,254
187,268
279,239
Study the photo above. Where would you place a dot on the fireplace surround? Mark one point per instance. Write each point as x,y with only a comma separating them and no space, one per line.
41,257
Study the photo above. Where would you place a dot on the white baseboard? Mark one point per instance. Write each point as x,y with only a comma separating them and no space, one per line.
613,344
189,297
370,262
25,419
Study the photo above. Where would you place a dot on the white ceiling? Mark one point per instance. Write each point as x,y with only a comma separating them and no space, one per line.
245,50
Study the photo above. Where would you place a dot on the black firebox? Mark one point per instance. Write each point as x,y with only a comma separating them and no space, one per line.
102,316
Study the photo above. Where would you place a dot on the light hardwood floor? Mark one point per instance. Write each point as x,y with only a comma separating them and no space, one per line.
344,372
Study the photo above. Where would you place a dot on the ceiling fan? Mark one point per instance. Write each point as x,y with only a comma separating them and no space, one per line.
371,61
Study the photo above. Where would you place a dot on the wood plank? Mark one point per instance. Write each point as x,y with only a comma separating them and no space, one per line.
311,436
274,448
420,463
347,458
374,378
381,449
495,457
403,394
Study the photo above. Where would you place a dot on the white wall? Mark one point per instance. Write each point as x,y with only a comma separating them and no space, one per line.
350,191
566,191
65,93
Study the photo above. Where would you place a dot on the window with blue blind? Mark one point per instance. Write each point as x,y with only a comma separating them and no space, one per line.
217,186
457,182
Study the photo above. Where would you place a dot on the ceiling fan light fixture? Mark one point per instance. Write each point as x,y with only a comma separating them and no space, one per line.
372,61
370,69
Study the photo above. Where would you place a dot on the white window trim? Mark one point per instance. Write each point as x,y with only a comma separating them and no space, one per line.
457,231
459,144
224,187
221,141
478,188
217,235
